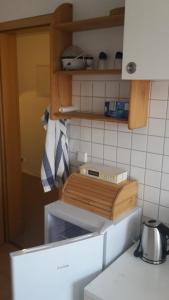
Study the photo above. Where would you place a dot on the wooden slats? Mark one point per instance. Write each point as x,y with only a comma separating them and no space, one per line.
102,197
93,201
91,208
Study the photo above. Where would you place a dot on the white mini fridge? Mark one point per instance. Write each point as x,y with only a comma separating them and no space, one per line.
78,246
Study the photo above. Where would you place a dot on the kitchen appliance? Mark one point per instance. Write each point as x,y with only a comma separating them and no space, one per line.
99,171
74,58
77,63
152,247
73,63
78,245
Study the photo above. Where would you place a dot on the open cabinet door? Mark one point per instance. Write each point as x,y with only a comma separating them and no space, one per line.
59,270
11,135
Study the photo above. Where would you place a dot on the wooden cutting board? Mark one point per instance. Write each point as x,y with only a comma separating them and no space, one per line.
101,197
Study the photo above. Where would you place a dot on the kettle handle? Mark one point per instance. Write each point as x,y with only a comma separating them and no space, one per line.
138,250
164,230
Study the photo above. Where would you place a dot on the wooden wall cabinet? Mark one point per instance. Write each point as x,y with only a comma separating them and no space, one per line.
62,29
146,41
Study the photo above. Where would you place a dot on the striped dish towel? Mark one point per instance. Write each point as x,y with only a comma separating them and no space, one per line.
55,163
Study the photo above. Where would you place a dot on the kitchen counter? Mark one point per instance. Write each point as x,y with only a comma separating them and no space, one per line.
130,278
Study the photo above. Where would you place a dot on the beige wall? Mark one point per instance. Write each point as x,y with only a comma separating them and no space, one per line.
17,9
33,75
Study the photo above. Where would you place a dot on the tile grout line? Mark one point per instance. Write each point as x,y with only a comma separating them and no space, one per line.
163,154
146,151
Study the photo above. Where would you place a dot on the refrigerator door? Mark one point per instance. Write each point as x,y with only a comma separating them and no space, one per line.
59,270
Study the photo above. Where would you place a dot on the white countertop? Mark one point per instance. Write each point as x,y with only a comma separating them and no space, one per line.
130,278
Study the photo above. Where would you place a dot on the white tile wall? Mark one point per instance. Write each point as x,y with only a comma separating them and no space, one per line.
143,152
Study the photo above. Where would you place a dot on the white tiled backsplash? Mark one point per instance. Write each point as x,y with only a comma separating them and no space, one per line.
143,152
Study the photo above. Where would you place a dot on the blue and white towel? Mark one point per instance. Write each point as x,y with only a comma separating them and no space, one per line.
55,163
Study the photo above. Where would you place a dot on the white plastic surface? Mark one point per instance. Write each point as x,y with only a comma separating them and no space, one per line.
146,39
74,215
60,270
132,279
67,109
57,271
118,235
82,156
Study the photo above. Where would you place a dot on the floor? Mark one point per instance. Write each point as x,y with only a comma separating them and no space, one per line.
5,285
34,200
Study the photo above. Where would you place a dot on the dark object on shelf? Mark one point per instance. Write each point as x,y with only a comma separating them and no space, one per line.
118,60
119,55
116,109
102,56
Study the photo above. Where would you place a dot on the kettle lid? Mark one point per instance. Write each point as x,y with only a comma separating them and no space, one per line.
152,223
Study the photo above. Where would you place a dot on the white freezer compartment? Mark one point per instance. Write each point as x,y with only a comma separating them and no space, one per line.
71,257
118,235
63,220
79,244
60,229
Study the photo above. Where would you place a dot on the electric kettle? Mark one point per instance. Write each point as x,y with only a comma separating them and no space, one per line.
152,246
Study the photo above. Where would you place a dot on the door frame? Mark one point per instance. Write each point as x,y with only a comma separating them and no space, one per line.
2,225
11,211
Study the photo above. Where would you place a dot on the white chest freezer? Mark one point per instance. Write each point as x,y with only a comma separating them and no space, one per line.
78,246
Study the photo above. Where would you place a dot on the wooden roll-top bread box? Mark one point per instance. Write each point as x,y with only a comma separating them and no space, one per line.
101,197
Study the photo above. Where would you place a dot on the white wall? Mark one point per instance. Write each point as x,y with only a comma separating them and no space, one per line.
17,9
94,8
143,152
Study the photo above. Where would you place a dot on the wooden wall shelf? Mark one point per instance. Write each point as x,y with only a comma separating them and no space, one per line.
91,72
62,28
89,116
91,24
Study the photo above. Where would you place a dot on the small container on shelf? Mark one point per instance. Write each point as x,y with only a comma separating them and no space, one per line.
116,109
118,60
102,61
89,62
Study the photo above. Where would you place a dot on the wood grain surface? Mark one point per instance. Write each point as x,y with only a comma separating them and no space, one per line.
101,197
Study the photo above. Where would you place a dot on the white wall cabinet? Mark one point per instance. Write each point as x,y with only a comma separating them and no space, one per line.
146,40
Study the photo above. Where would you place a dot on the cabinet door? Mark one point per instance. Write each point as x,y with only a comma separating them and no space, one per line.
57,271
146,39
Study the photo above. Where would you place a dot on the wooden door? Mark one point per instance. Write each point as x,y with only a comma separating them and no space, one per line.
2,229
11,133
146,41
2,171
